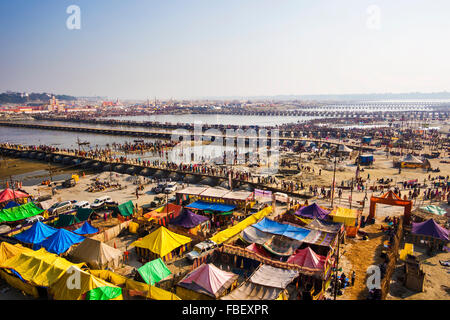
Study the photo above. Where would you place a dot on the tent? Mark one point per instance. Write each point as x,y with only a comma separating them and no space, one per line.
125,209
434,210
307,258
86,228
327,226
411,161
11,204
189,220
267,275
344,149
83,214
60,241
37,233
252,291
345,215
207,280
66,220
313,211
430,228
254,235
162,242
202,205
9,194
97,254
154,271
282,229
163,215
21,212
255,248
8,250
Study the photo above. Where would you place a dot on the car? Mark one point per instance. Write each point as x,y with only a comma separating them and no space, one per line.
60,207
81,204
201,249
34,219
159,188
100,202
171,187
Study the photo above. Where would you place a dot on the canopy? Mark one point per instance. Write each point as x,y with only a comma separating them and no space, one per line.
258,250
430,228
267,275
154,271
327,226
83,213
40,267
434,210
96,254
60,241
94,287
208,279
281,246
9,194
188,220
307,258
21,212
11,204
313,211
282,229
226,234
201,205
163,211
409,158
162,241
86,228
252,291
37,233
65,220
254,235
125,209
345,215
8,250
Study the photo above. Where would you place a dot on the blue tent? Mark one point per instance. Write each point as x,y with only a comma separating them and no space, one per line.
201,205
86,228
37,233
11,204
287,230
60,241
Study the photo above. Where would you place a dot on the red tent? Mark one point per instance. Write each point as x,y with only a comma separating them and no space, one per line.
8,194
307,258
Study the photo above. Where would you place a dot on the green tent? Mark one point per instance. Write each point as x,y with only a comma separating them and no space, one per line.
65,220
83,213
20,212
154,271
125,209
219,213
103,293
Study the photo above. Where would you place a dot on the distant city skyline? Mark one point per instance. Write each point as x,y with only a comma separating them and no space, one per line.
201,49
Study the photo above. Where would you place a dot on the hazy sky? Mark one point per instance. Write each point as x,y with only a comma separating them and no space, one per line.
197,48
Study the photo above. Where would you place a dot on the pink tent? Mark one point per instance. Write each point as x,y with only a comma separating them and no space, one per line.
307,258
8,194
256,249
208,279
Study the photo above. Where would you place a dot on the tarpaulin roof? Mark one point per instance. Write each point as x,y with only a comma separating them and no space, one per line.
254,235
154,271
60,241
163,211
320,238
434,210
11,204
208,279
37,233
346,216
87,282
8,250
327,226
40,267
83,213
125,209
65,220
258,250
252,291
234,230
281,246
96,254
313,211
21,212
409,158
282,229
162,241
273,277
430,228
86,228
9,194
201,205
307,258
188,219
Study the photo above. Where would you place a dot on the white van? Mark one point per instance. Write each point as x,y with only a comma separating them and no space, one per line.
81,204
100,202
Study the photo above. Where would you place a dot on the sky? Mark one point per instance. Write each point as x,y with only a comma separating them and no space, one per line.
185,49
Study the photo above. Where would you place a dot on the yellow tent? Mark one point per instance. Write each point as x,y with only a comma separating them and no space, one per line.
71,287
344,215
39,268
8,251
234,230
162,241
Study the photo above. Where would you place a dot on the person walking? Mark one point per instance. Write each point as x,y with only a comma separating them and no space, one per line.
353,278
